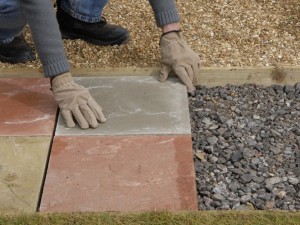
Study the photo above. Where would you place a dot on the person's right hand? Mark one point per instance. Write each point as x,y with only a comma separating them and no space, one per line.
76,101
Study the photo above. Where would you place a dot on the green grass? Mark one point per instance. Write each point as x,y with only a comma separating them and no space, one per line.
158,218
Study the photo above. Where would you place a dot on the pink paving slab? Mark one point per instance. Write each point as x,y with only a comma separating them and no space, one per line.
120,173
27,107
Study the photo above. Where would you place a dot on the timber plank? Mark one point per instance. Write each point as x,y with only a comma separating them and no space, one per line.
208,76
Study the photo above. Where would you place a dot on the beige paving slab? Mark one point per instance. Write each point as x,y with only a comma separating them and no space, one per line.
136,105
22,164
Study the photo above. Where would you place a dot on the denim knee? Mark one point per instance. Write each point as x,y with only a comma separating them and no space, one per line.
12,20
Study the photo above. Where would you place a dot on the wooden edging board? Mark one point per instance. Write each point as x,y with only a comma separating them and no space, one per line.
208,76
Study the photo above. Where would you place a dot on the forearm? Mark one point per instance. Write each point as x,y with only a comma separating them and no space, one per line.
46,36
165,12
170,27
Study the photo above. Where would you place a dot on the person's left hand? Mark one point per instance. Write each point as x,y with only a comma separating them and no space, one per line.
176,55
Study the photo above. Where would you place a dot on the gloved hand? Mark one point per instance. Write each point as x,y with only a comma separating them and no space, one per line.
176,55
75,100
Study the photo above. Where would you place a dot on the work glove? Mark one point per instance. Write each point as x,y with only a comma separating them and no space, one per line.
177,56
76,101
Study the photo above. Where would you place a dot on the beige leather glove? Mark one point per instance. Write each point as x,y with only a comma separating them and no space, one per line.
75,100
176,55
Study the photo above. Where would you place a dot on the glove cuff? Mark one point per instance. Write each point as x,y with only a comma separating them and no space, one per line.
171,31
61,80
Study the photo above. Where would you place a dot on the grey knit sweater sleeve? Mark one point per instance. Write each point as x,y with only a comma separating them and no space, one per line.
165,12
46,36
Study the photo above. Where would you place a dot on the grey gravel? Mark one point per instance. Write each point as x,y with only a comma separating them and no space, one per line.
249,142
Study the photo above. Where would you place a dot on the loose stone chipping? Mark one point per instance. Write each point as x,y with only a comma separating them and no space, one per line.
253,160
223,33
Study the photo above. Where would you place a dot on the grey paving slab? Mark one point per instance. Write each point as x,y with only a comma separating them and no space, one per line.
136,105
22,164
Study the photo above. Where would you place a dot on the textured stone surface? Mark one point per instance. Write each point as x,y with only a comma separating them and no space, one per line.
253,160
136,105
123,173
22,163
27,107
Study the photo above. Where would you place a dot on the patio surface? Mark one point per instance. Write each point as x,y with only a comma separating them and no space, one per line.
139,160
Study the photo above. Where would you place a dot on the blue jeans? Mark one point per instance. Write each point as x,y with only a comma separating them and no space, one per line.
89,11
12,21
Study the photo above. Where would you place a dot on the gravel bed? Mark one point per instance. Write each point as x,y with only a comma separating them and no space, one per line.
246,142
223,33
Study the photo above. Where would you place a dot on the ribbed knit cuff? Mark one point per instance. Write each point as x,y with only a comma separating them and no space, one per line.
55,66
167,17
